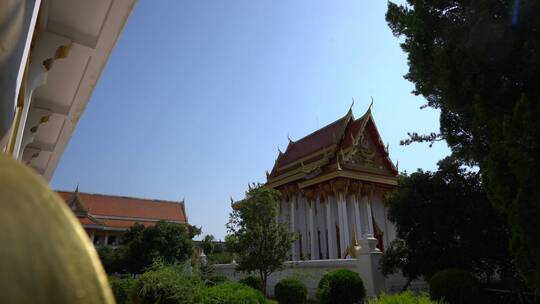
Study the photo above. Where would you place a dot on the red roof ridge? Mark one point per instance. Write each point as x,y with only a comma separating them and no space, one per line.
127,197
291,142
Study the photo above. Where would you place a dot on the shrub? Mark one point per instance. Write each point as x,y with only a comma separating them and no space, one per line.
220,258
251,281
216,279
111,259
290,291
232,293
166,285
341,287
454,286
407,297
121,288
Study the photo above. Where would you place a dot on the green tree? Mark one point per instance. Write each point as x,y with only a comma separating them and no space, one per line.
207,244
444,220
478,62
260,243
141,246
112,259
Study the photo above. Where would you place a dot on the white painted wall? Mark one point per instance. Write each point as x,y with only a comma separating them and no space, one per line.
310,272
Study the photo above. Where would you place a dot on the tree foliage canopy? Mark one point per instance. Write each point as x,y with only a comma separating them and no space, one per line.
207,244
479,63
141,246
260,243
445,220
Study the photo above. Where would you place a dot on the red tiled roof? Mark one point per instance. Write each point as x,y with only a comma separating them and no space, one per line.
87,221
127,210
324,137
126,224
338,135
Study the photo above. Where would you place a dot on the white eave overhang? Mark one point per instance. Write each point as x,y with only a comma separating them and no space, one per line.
90,28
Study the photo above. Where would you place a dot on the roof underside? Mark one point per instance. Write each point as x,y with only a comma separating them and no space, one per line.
90,29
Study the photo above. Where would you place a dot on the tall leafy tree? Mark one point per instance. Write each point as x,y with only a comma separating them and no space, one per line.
207,244
261,243
478,62
444,220
141,246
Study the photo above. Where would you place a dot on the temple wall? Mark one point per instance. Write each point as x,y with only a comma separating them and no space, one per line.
310,272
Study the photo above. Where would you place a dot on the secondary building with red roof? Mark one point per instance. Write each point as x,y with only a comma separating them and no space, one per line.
107,217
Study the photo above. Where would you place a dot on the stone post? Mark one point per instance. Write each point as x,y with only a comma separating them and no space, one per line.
368,257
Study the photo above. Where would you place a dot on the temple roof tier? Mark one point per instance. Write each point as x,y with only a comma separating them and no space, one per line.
346,148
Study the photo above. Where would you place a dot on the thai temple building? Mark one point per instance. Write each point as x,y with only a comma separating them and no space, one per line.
332,183
107,217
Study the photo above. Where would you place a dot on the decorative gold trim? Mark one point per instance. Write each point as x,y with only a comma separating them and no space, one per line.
352,175
322,151
298,170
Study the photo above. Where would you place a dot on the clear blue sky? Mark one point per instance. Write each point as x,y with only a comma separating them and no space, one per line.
198,95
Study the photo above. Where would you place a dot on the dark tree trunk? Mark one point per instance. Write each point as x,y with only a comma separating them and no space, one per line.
406,286
264,277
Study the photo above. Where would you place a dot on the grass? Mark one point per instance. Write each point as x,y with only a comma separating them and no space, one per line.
407,297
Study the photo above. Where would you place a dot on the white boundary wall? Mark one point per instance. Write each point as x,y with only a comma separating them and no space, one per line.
310,272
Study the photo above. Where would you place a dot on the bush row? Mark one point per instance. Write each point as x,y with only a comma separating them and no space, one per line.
455,286
174,285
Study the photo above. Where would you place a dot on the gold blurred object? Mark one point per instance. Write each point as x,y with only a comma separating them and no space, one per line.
45,254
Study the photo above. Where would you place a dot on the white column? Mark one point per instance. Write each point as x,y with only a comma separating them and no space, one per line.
312,232
321,226
92,236
358,222
340,221
346,235
106,239
369,222
305,228
292,201
329,227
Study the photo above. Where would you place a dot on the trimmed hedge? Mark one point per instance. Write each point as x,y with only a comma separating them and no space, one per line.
454,286
121,288
167,285
216,279
251,281
232,293
407,297
290,291
341,286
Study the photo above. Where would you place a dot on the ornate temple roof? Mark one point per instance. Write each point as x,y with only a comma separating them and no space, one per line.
347,147
120,212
